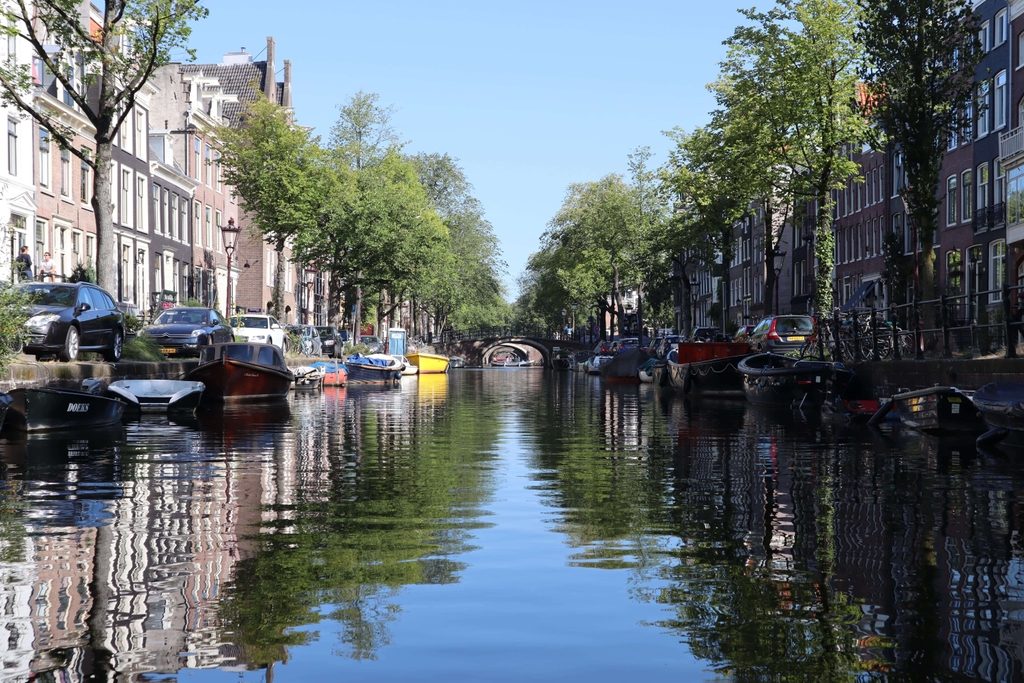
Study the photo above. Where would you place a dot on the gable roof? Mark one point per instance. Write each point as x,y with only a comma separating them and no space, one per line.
237,79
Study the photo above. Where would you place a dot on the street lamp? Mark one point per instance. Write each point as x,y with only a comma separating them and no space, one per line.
229,233
780,260
694,297
310,279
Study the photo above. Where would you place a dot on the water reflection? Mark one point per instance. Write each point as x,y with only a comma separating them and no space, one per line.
772,546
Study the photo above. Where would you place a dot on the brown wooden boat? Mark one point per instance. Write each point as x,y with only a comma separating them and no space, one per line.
242,371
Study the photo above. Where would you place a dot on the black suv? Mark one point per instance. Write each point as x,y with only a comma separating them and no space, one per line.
68,318
331,341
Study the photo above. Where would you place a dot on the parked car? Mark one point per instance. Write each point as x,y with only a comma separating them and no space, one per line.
743,334
374,344
781,333
603,348
184,331
707,334
309,339
65,319
257,327
331,341
667,344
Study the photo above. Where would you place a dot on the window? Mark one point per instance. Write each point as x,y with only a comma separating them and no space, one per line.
209,228
183,225
44,158
999,189
197,147
157,223
216,170
65,173
140,204
140,136
967,190
984,107
12,40
968,120
172,224
954,272
126,198
208,168
12,146
218,223
85,179
1001,29
983,186
951,200
985,37
953,140
1000,101
996,269
897,173
1020,50
197,225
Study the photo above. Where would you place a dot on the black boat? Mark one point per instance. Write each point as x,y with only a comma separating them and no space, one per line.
38,409
717,377
157,395
1001,404
938,410
376,368
624,365
774,380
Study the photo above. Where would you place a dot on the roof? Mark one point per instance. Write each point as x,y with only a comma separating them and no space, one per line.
237,79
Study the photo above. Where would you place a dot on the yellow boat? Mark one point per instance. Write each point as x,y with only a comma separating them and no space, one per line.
429,363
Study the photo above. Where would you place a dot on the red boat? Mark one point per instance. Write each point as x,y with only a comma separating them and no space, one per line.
240,371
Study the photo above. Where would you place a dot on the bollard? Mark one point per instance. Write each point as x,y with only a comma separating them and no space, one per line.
874,333
895,333
1011,342
946,351
837,351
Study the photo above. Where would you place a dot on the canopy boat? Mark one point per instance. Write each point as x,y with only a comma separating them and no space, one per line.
646,371
624,366
505,362
454,362
774,380
242,371
408,368
38,409
708,369
157,395
939,410
335,374
1001,404
431,363
595,363
308,377
377,368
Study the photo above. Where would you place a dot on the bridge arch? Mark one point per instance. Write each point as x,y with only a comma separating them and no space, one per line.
516,343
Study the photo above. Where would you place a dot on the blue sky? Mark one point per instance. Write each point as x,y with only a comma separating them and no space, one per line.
530,96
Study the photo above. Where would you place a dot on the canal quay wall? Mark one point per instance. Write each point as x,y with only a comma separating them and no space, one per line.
885,378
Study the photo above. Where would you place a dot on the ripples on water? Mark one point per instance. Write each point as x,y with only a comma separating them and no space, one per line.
507,525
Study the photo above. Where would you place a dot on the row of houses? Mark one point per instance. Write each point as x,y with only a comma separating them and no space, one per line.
979,245
170,200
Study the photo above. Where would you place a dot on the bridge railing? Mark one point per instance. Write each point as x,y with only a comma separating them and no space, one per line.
497,333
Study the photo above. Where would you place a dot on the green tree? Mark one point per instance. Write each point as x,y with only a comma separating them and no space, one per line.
277,169
918,77
100,69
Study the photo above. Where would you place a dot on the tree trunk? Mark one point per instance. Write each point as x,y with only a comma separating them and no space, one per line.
357,314
334,306
103,206
824,252
686,301
279,276
769,260
640,313
616,301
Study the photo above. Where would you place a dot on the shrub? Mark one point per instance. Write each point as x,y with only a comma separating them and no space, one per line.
82,273
192,303
142,348
132,323
13,314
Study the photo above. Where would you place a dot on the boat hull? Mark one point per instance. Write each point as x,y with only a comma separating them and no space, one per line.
1001,404
228,381
661,377
372,374
717,377
41,409
429,363
561,363
939,410
773,380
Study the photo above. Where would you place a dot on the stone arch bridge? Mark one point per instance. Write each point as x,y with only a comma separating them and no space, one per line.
478,349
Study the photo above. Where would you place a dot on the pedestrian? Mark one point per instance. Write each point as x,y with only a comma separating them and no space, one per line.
47,270
24,267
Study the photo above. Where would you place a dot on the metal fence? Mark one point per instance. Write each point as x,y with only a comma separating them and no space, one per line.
499,332
967,325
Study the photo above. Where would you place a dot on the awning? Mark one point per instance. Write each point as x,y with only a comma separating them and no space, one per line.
863,292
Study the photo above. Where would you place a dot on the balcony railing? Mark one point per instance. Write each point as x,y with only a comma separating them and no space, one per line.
989,218
1011,144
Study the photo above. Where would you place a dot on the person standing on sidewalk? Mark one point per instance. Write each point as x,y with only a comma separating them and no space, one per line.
24,264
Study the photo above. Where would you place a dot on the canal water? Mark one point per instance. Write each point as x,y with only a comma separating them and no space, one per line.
508,525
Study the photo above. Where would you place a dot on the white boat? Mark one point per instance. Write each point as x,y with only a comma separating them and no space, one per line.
409,368
157,395
595,363
308,377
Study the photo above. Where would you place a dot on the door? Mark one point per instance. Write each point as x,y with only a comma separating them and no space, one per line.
89,317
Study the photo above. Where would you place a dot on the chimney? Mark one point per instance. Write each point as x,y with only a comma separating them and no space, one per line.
286,97
270,78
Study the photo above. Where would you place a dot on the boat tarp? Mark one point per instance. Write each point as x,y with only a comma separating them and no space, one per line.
331,366
370,360
648,364
624,364
1001,398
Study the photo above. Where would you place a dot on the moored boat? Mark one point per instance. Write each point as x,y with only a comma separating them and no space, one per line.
624,366
308,377
646,371
594,364
660,376
408,368
939,410
376,368
708,369
157,395
1001,404
335,374
431,363
38,409
774,380
242,371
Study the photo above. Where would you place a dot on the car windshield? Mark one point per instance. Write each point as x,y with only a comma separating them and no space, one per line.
369,340
325,331
799,325
52,295
252,321
182,317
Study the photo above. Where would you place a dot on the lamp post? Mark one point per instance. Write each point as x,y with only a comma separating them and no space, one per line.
574,307
229,233
310,281
780,260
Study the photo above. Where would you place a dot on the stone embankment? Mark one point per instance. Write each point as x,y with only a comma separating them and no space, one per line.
887,377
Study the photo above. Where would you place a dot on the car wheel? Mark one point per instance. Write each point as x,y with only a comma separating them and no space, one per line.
114,354
71,344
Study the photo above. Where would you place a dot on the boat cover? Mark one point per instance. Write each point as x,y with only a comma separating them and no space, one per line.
1001,398
648,364
329,366
371,360
625,364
